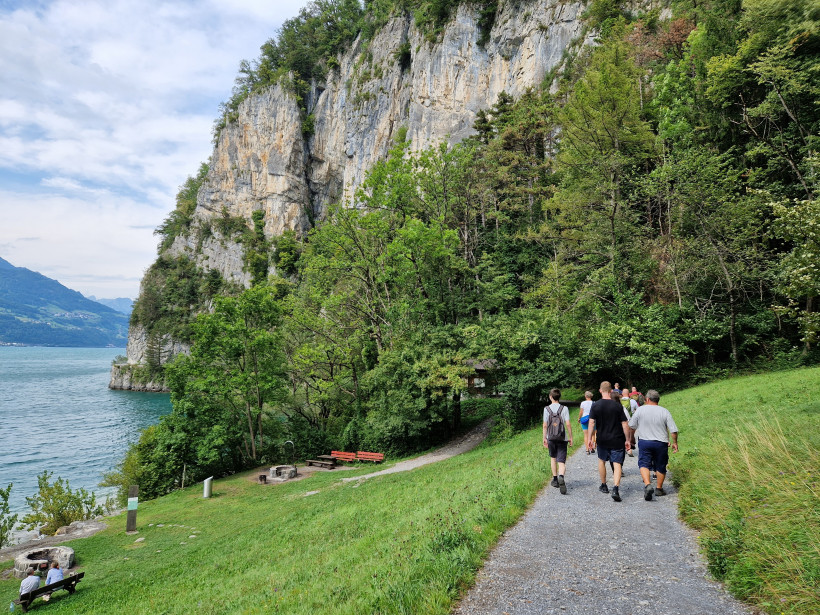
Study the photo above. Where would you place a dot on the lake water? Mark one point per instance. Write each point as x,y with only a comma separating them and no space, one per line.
57,414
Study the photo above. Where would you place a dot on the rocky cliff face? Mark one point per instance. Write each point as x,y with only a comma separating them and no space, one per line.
263,161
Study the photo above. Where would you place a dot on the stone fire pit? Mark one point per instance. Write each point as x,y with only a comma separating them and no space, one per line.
41,558
282,473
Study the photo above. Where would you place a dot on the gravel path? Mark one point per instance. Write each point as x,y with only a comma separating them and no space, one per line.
584,553
467,442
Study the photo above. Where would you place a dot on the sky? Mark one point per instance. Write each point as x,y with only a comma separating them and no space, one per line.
106,107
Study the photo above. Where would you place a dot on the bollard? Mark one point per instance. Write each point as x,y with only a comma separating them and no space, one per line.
208,487
131,519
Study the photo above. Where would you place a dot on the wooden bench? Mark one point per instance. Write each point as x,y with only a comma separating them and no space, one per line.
324,463
68,583
374,457
342,456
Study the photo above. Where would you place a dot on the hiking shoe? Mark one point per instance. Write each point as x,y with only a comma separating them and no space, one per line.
648,491
654,476
659,492
603,488
616,494
562,486
554,481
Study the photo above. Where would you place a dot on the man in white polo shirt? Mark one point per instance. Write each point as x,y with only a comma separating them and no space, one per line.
655,427
30,583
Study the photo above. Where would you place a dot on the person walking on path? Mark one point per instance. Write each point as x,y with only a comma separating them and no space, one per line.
557,435
608,418
583,418
655,427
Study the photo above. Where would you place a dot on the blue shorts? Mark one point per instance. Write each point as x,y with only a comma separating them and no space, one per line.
615,455
654,455
585,426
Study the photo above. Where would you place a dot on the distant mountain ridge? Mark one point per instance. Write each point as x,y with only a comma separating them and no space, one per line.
121,304
38,311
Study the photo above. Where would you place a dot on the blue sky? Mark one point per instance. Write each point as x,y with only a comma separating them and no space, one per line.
106,106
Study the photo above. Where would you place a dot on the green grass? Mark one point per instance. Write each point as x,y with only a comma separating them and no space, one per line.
411,542
401,543
749,479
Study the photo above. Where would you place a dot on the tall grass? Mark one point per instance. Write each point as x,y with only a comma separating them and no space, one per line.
749,479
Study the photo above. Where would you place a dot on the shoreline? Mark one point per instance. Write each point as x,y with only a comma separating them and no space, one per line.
78,529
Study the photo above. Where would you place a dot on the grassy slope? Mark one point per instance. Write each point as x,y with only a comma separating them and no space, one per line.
403,543
409,542
749,476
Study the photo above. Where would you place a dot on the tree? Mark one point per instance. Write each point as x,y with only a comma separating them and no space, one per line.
234,374
799,224
7,520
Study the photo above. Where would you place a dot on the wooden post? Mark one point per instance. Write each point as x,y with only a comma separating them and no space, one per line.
131,520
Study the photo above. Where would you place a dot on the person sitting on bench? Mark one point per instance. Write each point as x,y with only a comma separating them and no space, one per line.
54,575
30,583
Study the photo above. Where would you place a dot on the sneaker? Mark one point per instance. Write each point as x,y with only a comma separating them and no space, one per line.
616,494
588,452
562,486
630,454
648,491
603,488
554,481
654,476
659,492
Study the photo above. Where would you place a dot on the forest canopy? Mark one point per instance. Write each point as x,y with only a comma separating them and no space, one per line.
650,219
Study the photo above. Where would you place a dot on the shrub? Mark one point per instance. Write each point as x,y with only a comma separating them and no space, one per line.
56,505
7,520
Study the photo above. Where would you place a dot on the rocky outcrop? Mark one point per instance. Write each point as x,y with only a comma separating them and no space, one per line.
265,162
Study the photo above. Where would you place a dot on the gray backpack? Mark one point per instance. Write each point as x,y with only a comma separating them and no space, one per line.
555,426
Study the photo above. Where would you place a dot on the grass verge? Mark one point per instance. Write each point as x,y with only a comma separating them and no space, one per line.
401,543
749,480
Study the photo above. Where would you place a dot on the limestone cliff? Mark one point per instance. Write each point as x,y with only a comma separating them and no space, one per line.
264,161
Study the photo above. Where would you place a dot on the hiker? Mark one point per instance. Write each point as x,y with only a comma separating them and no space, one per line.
630,407
655,427
607,417
30,583
583,418
557,435
616,388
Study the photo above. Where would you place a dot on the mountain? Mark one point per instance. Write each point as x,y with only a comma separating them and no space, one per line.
121,304
289,157
38,311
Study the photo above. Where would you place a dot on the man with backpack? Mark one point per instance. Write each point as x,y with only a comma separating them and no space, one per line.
557,436
608,418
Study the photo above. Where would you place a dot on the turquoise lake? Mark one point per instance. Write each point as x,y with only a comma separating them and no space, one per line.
57,414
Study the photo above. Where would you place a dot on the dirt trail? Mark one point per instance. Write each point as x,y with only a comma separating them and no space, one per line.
585,553
460,445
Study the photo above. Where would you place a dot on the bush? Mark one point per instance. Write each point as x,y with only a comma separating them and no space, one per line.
7,520
56,505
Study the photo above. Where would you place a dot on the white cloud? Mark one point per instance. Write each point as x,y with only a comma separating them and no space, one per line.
106,106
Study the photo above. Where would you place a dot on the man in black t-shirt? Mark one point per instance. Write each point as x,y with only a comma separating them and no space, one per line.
608,419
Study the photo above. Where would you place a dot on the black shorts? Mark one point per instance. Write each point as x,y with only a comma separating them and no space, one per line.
558,450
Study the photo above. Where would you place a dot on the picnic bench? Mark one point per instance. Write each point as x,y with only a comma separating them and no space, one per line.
324,461
342,456
68,583
374,457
